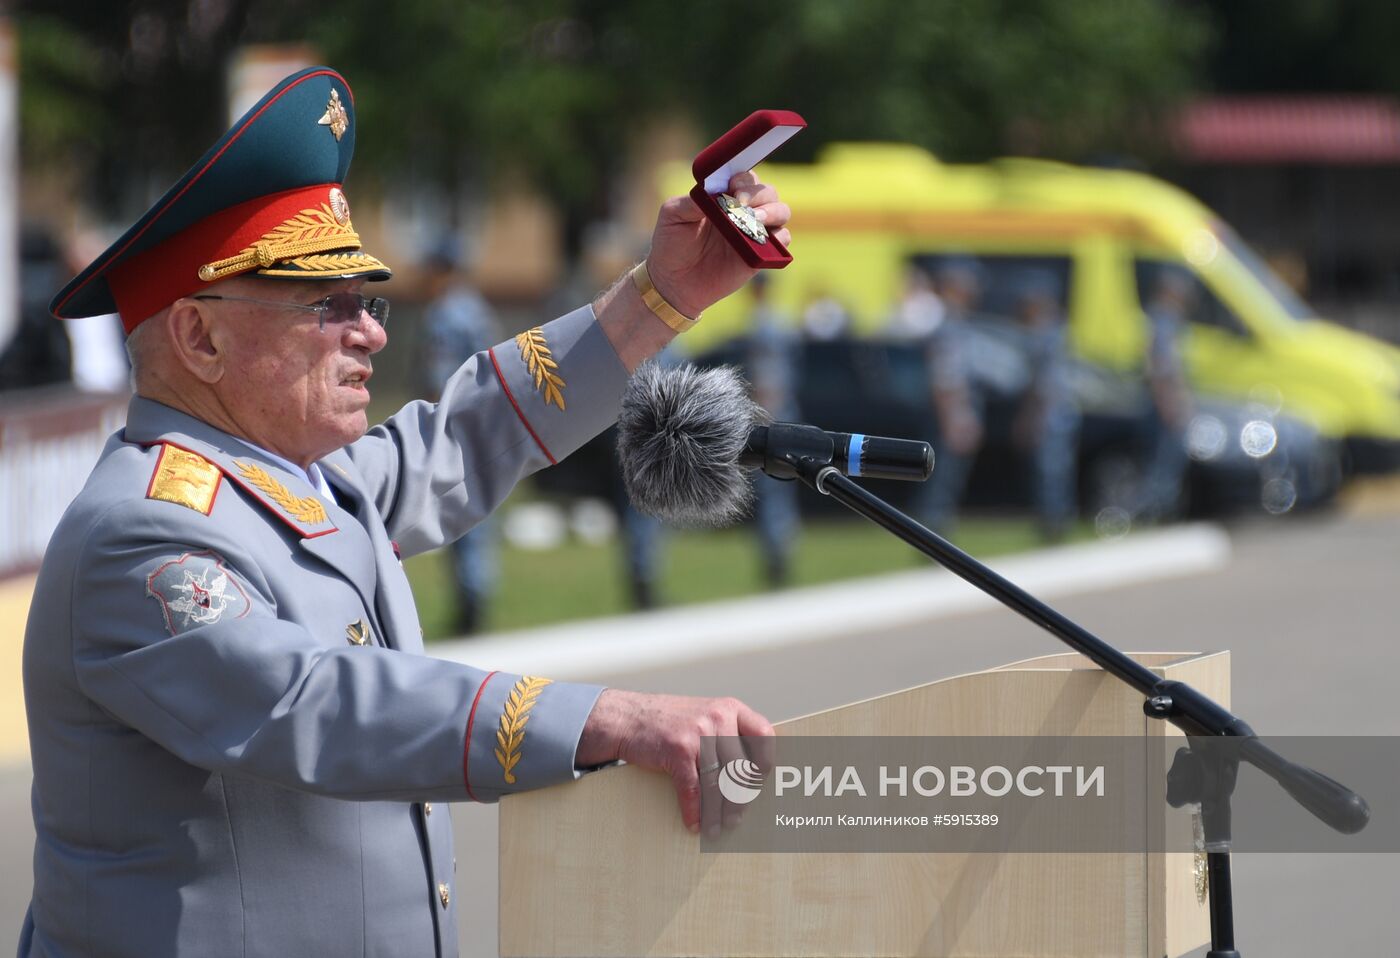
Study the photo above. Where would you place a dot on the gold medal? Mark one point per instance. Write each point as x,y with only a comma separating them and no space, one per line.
744,218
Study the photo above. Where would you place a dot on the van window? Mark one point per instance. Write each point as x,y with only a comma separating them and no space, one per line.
1002,278
1205,309
1281,291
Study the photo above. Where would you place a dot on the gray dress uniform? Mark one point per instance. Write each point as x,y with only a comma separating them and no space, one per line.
235,734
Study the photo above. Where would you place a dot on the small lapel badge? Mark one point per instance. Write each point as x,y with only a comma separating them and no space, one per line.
357,632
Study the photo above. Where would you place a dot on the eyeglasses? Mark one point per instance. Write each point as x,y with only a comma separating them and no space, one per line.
338,308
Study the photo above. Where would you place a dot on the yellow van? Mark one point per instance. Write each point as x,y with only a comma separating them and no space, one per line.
864,212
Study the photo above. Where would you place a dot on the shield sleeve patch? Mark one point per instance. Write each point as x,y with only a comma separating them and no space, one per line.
196,589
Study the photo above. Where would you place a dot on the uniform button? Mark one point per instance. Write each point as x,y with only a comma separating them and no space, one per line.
427,808
444,894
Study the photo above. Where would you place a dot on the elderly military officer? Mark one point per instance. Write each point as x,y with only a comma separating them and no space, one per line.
236,742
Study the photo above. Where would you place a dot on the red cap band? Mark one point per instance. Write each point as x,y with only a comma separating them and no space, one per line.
148,282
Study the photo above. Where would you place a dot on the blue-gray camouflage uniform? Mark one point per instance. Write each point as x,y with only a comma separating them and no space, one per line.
458,324
772,364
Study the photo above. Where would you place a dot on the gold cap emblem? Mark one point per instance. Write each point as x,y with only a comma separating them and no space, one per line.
340,206
335,117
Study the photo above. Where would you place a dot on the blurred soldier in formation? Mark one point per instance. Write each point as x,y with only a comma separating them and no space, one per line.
1169,407
919,310
643,542
772,365
38,353
643,536
825,317
1047,423
957,400
459,323
88,353
609,250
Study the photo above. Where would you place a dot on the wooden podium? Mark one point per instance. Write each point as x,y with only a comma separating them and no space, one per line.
603,866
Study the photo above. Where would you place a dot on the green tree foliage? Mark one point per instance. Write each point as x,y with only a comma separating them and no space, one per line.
967,80
553,86
479,89
123,95
466,91
64,81
1306,46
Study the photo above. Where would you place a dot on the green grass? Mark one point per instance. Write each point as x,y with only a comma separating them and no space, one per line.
577,581
580,581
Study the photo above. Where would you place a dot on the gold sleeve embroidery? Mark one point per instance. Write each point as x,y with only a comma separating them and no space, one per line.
539,362
510,737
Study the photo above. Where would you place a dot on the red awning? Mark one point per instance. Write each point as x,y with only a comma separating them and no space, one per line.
1305,129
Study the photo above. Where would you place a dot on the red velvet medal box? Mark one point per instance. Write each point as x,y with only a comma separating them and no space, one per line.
739,150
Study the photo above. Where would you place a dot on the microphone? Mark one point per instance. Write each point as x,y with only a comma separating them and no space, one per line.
772,449
686,438
679,436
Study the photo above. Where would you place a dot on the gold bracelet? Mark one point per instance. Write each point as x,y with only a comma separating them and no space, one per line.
667,313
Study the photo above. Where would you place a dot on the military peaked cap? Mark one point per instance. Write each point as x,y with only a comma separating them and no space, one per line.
268,199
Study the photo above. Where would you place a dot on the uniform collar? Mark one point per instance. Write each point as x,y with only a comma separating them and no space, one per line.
277,484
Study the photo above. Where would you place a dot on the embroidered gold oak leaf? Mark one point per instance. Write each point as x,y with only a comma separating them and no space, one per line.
511,735
308,224
334,262
539,361
313,230
307,510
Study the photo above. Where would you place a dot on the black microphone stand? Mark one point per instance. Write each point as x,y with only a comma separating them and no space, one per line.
1200,773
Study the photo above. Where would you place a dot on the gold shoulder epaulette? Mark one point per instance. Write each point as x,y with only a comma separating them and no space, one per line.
185,478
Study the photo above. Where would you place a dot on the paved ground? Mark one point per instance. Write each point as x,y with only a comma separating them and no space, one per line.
1308,608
